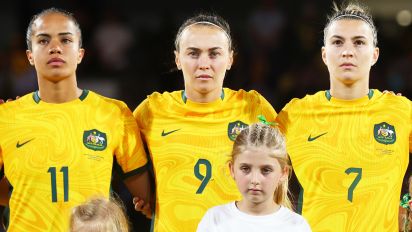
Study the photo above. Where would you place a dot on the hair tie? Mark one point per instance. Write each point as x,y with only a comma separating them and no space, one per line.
263,120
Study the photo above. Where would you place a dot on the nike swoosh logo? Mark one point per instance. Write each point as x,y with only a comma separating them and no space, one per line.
18,145
310,138
167,133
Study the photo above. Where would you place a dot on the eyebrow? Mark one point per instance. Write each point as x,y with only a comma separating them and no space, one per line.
198,49
48,35
353,38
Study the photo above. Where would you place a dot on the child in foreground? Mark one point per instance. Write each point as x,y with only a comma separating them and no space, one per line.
99,215
260,167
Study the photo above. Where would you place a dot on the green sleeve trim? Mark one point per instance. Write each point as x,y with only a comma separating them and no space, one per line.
134,172
85,92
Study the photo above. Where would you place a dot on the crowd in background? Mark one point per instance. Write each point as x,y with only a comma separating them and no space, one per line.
129,49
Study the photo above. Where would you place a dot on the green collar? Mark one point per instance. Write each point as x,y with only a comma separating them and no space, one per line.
83,96
184,98
329,96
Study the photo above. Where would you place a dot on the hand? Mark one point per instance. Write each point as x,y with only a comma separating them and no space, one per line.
391,92
2,101
145,209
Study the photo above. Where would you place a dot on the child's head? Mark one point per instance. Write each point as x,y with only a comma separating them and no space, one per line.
99,215
260,165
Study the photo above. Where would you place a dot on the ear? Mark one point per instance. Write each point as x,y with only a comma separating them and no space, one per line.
177,60
285,174
29,55
232,170
323,51
80,56
229,65
375,55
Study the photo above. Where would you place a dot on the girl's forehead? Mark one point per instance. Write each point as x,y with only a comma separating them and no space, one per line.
255,154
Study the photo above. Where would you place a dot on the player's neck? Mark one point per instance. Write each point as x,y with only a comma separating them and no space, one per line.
58,92
195,96
262,208
353,91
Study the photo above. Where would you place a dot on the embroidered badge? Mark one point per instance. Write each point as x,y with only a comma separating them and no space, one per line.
234,129
384,133
95,140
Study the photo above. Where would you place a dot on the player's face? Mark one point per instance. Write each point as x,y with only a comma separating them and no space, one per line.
204,57
257,176
349,52
55,47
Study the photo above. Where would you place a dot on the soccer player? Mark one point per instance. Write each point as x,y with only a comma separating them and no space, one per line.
349,145
190,132
58,144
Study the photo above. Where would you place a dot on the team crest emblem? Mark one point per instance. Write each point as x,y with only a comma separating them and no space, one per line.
234,129
384,133
95,140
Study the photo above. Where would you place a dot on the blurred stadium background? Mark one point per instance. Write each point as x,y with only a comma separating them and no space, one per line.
129,46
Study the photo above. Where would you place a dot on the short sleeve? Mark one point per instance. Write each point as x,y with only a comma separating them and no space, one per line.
130,153
206,224
410,126
267,109
283,119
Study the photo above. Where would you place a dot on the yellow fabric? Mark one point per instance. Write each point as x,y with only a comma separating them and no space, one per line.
196,143
332,143
42,140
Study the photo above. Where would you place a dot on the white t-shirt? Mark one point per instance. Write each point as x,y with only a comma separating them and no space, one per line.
226,218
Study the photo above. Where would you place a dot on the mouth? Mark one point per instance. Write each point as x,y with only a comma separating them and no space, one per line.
347,65
204,77
254,191
56,61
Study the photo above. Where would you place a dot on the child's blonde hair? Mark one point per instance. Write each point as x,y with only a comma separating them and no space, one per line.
99,215
259,135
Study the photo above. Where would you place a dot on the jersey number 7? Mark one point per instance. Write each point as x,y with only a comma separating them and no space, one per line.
355,182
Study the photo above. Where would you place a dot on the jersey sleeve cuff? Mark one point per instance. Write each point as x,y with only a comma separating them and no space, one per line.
135,171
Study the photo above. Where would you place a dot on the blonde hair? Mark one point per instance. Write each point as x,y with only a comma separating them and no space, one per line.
99,215
259,135
351,10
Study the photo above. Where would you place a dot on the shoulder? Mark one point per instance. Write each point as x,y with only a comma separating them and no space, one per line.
293,218
106,101
400,103
158,100
249,96
310,99
17,104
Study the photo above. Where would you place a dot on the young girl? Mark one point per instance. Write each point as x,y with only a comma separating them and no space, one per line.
99,215
260,167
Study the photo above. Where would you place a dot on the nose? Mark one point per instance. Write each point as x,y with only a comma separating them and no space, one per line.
255,178
347,52
55,48
204,62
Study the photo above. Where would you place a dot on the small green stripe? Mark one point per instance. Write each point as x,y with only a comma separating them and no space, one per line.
36,97
222,96
327,95
134,172
85,92
370,94
300,201
184,98
153,215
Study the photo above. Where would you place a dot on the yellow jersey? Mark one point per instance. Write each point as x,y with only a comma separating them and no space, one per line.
56,156
190,145
350,157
